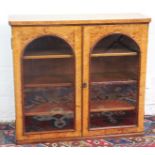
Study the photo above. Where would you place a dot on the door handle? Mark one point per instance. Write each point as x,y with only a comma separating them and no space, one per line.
84,85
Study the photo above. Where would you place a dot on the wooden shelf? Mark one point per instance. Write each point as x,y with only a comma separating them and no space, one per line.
111,105
113,78
52,81
49,109
114,82
113,52
48,54
53,109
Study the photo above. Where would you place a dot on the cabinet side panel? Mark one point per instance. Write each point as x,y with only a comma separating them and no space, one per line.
17,82
142,76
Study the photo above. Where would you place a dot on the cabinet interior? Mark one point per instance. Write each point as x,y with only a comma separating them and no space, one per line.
49,85
113,94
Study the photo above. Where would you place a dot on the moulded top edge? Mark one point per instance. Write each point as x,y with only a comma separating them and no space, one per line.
77,19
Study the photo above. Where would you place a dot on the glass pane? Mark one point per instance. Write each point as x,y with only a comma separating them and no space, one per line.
48,86
118,93
48,45
115,43
113,83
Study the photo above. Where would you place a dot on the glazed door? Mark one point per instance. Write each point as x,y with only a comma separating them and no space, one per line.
111,79
48,61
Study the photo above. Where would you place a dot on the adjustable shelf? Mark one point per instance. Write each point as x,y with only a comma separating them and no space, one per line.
113,52
52,81
111,105
52,54
113,78
50,109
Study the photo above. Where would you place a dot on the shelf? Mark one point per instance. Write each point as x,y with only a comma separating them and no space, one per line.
113,52
47,54
111,105
53,109
52,81
129,125
49,109
113,78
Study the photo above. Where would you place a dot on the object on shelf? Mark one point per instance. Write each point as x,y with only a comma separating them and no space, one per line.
49,123
49,101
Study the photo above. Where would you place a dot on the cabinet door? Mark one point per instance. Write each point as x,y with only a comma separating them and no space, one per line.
47,63
114,78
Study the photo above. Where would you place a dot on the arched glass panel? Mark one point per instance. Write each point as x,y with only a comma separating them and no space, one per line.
116,43
114,67
49,85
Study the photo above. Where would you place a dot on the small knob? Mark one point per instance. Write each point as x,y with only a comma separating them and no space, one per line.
84,85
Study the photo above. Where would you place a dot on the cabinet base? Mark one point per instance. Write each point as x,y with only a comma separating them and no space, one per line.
76,138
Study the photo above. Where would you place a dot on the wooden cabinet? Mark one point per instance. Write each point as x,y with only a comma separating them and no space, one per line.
79,77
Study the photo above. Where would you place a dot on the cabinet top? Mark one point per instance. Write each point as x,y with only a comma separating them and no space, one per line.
77,19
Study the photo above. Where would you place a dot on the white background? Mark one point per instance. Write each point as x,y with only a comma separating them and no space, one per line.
11,7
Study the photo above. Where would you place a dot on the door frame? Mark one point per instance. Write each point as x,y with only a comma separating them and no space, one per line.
21,37
91,35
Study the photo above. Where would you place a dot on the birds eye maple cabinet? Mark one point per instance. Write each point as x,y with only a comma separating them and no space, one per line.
79,76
